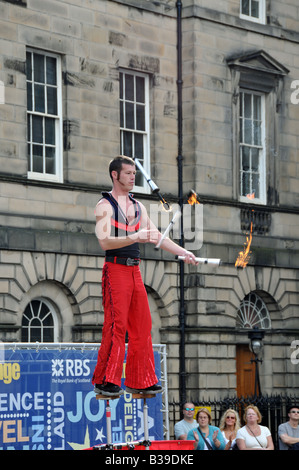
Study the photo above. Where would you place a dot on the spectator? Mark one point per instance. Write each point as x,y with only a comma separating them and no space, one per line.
206,437
253,436
182,428
229,425
288,433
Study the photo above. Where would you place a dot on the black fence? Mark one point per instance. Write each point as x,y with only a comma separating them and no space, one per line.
272,408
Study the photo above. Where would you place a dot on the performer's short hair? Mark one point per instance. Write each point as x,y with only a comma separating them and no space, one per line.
117,162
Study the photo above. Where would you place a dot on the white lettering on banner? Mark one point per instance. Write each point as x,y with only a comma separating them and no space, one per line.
76,415
21,402
58,412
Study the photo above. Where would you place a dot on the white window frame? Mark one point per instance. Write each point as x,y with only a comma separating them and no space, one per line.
253,312
144,188
36,314
262,12
262,199
58,176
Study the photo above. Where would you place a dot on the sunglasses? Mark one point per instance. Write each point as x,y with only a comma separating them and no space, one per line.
295,412
189,409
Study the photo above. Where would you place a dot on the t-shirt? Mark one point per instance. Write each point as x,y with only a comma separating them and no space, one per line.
251,441
183,427
286,428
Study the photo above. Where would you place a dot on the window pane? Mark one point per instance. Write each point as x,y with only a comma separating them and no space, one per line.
52,100
35,335
37,158
245,7
39,68
245,158
246,184
257,132
28,66
257,107
51,70
255,159
129,116
129,87
140,90
255,185
37,129
247,106
50,160
247,131
121,77
39,96
140,117
127,143
49,131
48,336
255,8
29,97
35,322
139,146
121,113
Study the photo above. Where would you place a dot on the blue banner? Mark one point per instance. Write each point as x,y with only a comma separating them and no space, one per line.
47,402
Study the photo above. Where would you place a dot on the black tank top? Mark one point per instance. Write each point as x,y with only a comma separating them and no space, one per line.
120,227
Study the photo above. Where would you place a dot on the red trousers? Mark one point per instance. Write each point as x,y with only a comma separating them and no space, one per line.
126,309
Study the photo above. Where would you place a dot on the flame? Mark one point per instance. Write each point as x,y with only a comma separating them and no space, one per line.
165,205
250,196
244,256
193,198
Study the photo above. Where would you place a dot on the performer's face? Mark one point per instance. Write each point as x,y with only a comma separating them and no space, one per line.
126,177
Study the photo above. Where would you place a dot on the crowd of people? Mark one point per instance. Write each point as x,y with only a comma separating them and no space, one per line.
231,435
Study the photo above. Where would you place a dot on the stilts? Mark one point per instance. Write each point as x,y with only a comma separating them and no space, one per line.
139,396
109,445
144,396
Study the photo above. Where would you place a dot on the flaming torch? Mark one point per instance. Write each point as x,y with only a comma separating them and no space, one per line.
192,198
152,185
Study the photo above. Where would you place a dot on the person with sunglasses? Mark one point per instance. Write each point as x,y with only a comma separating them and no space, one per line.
229,425
288,432
188,422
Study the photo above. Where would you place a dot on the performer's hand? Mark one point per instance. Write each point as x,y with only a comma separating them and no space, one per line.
147,236
190,258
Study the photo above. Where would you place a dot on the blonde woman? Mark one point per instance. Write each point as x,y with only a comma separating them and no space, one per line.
229,425
253,436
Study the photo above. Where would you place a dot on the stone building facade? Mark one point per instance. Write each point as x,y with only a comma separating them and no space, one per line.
72,74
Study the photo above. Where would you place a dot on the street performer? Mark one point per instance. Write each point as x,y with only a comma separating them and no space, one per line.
121,224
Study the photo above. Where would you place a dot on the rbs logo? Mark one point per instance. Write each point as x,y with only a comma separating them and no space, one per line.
70,367
9,371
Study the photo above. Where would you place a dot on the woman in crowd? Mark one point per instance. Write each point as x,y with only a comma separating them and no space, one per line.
229,425
206,437
253,436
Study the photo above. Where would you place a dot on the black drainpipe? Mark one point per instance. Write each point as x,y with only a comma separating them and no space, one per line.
182,371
